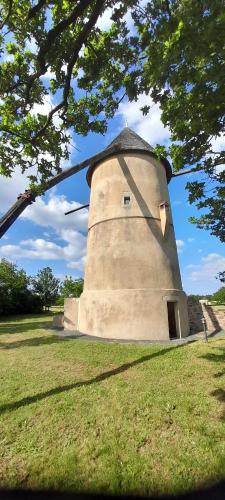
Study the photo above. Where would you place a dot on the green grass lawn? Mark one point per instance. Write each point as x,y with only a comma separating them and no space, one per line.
114,418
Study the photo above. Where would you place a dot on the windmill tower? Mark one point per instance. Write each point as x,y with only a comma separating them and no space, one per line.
132,283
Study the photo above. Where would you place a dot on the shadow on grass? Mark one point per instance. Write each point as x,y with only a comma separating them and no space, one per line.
31,342
22,327
209,492
218,393
103,376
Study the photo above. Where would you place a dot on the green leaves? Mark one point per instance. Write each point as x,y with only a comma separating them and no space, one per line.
70,288
184,72
219,296
160,151
196,190
43,61
173,39
15,295
46,286
54,54
145,110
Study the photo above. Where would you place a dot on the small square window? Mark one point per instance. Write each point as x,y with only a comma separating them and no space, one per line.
126,200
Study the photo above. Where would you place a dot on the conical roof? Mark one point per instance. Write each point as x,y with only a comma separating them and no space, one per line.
126,141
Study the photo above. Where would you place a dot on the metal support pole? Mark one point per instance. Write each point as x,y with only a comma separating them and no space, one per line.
205,328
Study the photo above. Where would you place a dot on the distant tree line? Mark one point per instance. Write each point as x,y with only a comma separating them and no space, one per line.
219,296
22,294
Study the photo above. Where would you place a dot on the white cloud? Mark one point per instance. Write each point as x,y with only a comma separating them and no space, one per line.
190,240
104,22
218,144
68,229
180,245
149,127
11,187
207,269
50,214
44,109
31,45
39,249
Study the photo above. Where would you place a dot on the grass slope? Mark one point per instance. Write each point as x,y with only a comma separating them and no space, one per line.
117,418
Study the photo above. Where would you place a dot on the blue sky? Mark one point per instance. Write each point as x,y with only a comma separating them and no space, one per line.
44,236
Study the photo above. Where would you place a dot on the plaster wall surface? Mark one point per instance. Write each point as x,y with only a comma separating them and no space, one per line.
130,314
131,266
141,175
71,307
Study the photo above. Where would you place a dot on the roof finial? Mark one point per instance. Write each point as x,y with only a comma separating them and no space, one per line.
126,123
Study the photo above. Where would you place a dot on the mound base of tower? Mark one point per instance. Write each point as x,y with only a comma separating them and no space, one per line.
140,314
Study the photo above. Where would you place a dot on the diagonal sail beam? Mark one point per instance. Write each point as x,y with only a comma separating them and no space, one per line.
76,209
25,199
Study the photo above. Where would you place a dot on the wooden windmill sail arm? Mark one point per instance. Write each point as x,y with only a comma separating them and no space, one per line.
188,171
25,199
14,212
77,209
80,166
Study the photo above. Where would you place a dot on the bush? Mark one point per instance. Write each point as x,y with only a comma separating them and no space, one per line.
70,288
15,295
219,296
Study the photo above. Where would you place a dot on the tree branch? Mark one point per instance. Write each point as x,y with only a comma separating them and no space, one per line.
189,171
59,28
16,134
77,47
8,15
47,44
49,118
34,10
167,5
28,197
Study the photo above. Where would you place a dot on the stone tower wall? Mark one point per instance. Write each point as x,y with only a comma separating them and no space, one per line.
125,244
132,267
214,316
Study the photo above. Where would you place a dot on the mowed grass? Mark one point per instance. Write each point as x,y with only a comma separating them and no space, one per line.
108,417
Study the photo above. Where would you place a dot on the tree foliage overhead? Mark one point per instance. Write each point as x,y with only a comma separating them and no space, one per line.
57,39
53,50
183,42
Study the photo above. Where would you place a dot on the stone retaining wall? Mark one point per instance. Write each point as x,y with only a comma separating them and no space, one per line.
197,310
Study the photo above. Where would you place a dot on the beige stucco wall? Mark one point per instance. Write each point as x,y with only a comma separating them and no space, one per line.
130,265
71,308
130,314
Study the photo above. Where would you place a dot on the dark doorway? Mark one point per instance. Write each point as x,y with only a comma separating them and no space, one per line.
172,319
